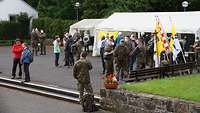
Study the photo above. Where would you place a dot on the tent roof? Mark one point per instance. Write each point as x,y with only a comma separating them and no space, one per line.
13,7
86,24
185,22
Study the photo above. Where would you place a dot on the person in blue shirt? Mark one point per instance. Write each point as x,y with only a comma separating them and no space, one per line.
102,48
26,61
118,39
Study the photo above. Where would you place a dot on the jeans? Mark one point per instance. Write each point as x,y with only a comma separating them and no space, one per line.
57,59
16,62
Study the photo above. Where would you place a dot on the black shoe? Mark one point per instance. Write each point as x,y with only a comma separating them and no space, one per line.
13,77
19,77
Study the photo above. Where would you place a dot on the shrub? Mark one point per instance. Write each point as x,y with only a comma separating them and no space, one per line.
17,28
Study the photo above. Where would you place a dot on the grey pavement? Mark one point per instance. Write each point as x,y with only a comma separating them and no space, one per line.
14,101
43,71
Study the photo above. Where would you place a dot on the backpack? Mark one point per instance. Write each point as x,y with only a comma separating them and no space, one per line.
88,103
31,57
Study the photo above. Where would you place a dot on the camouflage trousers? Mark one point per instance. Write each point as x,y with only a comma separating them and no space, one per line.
84,87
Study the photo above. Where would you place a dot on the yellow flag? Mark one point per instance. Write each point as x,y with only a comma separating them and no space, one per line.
159,42
172,38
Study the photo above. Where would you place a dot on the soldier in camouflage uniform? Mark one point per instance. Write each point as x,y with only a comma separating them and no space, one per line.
76,36
81,73
108,57
121,54
42,39
77,48
34,41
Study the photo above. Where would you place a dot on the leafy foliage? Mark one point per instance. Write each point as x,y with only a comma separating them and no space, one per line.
65,9
17,28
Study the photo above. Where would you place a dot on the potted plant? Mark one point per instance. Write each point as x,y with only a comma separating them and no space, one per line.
111,82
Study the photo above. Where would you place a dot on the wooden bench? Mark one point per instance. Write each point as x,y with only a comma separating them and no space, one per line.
159,72
143,74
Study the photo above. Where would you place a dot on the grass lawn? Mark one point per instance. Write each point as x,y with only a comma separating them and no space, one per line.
186,87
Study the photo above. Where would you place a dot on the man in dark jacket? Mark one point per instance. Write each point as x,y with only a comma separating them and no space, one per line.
69,51
81,73
17,52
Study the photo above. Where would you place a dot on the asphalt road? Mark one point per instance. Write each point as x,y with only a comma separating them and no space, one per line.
43,71
14,101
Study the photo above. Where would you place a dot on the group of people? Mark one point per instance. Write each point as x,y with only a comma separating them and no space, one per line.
21,56
73,46
38,41
119,55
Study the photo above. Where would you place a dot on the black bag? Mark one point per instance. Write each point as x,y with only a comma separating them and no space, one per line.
88,103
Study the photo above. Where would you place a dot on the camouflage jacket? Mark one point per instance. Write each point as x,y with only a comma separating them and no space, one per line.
121,52
81,71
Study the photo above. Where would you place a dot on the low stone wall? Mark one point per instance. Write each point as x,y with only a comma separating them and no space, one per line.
119,101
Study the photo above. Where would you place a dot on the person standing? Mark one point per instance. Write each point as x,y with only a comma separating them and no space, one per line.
69,51
102,50
26,61
76,36
57,50
118,39
81,74
17,52
132,57
86,40
78,49
121,54
42,39
34,40
140,52
66,58
108,57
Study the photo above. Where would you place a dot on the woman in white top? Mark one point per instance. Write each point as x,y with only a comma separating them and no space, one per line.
57,50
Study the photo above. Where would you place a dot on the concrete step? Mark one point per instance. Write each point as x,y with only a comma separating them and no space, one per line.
55,92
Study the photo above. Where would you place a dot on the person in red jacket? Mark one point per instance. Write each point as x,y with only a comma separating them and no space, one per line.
17,53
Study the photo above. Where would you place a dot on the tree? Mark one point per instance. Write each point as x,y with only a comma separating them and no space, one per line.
33,3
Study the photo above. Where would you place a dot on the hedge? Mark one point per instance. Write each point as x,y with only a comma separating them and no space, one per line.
52,27
17,28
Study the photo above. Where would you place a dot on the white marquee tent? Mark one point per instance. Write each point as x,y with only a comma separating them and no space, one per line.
85,24
15,7
185,22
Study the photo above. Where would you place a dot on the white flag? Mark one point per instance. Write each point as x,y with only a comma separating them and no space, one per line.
177,48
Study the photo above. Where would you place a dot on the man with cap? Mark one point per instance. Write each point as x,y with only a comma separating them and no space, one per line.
121,54
17,53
